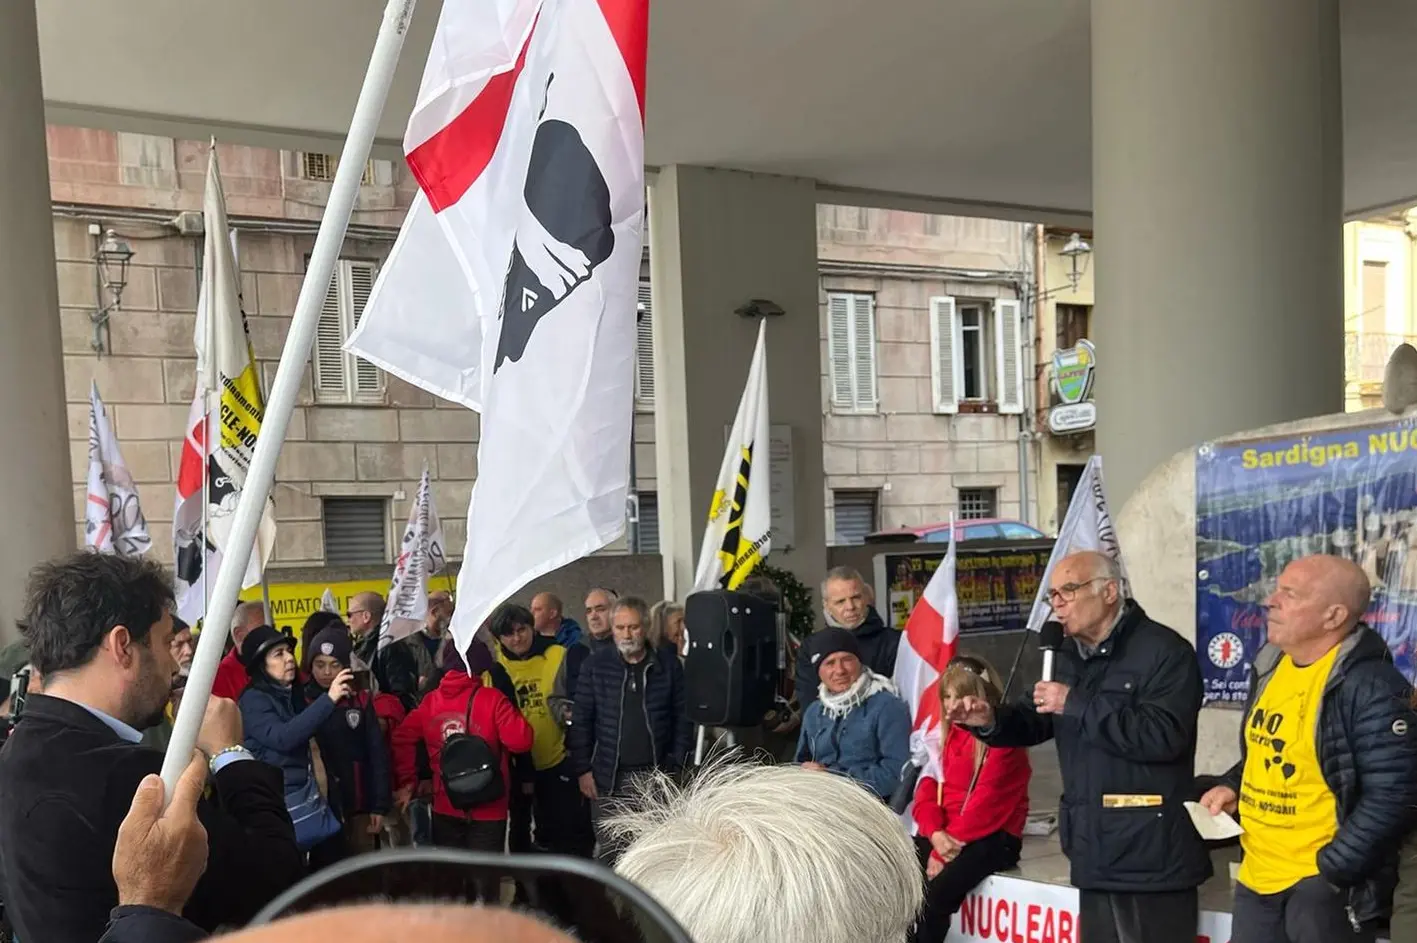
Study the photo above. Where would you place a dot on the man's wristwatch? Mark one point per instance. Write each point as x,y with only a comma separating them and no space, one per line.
237,752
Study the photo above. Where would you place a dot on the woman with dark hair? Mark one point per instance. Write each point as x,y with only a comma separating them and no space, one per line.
279,735
971,819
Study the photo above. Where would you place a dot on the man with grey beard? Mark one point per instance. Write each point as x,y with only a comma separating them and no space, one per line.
628,717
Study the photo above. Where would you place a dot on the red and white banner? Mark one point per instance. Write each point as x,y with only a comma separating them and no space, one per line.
1011,910
931,634
519,266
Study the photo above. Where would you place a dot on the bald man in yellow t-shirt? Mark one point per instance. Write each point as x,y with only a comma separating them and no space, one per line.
1326,786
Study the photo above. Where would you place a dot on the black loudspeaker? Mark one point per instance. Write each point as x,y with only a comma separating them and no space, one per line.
730,673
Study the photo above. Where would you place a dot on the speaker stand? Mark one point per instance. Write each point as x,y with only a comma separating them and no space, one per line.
702,735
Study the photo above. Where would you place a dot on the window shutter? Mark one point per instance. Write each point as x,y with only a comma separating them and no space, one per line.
863,330
649,522
644,349
368,379
1008,330
356,531
946,370
329,347
854,515
839,351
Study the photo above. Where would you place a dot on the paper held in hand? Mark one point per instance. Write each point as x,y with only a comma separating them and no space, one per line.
1212,827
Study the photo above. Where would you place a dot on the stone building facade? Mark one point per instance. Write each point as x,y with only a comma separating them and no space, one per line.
914,428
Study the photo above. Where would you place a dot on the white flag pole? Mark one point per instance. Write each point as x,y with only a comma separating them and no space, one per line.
261,474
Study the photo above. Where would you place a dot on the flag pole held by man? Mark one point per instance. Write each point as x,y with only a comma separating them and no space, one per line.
527,141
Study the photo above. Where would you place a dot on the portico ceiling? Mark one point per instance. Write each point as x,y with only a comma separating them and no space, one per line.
970,106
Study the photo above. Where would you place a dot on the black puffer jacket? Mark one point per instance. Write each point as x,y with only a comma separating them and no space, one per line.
1128,728
594,736
1367,747
879,644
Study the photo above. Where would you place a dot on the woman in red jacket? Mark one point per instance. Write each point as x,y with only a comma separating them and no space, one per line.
461,704
972,822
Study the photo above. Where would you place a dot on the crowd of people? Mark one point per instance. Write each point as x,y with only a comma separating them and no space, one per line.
546,735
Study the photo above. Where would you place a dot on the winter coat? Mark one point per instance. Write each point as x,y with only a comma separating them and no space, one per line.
1128,727
997,801
594,736
355,755
568,633
1367,749
67,780
870,744
879,643
277,734
444,712
563,690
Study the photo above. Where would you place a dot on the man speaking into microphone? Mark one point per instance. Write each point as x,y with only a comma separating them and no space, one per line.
1121,704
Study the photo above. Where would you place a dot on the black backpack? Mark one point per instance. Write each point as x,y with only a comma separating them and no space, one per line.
471,770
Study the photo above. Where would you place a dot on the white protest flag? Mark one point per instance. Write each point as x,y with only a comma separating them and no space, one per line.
113,518
931,635
420,555
1087,526
222,424
527,141
739,532
328,602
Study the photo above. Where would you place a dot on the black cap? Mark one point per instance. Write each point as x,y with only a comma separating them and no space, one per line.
258,642
824,643
1050,635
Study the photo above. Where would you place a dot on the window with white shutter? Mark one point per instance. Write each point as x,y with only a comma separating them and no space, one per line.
644,351
946,368
854,515
1008,334
342,377
851,351
355,531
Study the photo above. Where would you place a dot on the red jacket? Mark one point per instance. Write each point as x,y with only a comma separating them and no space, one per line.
442,714
999,800
231,677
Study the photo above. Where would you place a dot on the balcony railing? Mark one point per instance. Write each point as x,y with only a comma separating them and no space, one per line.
1365,355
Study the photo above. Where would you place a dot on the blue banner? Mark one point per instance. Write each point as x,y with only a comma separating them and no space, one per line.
1264,503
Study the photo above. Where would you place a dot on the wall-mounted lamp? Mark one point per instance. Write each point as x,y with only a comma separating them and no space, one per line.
111,260
1077,252
760,308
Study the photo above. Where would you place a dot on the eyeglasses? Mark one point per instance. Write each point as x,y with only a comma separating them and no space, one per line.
357,612
1068,591
594,903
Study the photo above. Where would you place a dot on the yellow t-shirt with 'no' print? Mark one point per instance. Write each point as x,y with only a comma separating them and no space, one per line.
1287,809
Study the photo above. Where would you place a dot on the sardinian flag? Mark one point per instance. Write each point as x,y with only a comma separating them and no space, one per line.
1087,526
420,556
931,635
113,519
513,287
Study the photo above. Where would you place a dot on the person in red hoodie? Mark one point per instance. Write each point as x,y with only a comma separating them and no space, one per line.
461,703
971,824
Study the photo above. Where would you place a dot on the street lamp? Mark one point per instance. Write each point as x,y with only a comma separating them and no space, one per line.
111,270
1077,252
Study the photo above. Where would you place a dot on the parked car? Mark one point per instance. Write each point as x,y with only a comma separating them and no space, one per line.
939,533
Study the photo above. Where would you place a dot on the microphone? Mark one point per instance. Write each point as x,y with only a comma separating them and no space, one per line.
1050,639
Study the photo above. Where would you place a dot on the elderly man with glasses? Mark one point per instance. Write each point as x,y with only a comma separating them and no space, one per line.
1122,710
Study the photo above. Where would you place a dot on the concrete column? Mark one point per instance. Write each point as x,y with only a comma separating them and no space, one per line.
718,240
34,462
1217,166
